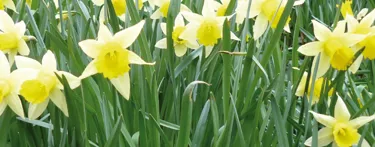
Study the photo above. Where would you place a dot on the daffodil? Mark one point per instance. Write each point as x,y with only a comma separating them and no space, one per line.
162,11
180,45
318,87
111,56
8,4
12,37
8,93
42,85
220,8
340,129
346,8
334,47
267,12
364,27
206,28
119,6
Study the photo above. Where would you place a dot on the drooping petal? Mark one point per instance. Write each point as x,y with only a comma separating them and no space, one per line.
179,21
25,62
3,105
4,65
325,137
357,63
35,110
192,17
163,27
104,34
311,49
122,84
21,28
49,61
58,98
162,44
6,22
89,70
368,20
260,26
129,35
341,112
321,32
9,4
73,81
208,50
15,104
23,49
325,120
135,59
360,121
180,50
324,64
91,47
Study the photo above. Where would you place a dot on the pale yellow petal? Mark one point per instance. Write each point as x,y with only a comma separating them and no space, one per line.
352,39
192,17
364,143
4,65
192,44
21,28
58,98
135,59
301,86
208,10
11,55
321,32
298,2
357,63
179,21
260,26
180,50
341,112
122,85
3,105
352,23
49,61
25,62
18,76
184,8
325,120
91,47
15,104
311,49
104,34
340,27
23,49
234,37
208,50
163,27
157,14
162,44
190,33
35,110
369,19
255,8
9,4
324,65
129,35
98,2
73,81
325,137
360,121
89,70
6,22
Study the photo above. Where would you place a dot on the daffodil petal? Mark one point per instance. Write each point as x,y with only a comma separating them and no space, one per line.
98,2
324,64
260,26
311,49
9,4
369,19
287,28
352,39
340,27
192,44
18,76
234,37
208,10
49,61
135,59
301,86
91,47
89,70
179,21
3,105
163,27
180,50
4,65
58,98
255,8
325,137
21,28
15,104
162,44
341,112
190,33
298,2
208,50
129,35
325,120
122,84
35,110
6,22
357,63
157,14
25,62
11,56
352,23
23,49
73,81
192,17
184,8
104,34
364,143
360,121
321,32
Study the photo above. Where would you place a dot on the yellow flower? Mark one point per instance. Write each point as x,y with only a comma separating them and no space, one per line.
162,11
364,27
319,84
111,56
8,4
8,93
267,12
346,8
334,47
339,129
41,84
119,6
11,36
180,45
207,29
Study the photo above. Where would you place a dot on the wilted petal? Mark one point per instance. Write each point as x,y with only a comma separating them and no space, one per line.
325,120
15,104
135,59
35,110
25,62
325,137
122,84
311,49
341,112
49,61
58,98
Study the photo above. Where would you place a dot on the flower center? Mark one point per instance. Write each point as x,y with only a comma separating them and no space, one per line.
271,9
208,32
176,34
164,9
4,88
346,8
37,90
341,56
369,43
1,5
221,11
119,6
8,41
113,61
344,134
